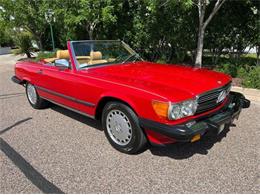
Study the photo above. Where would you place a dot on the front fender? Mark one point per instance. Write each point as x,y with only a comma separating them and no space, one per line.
140,102
121,97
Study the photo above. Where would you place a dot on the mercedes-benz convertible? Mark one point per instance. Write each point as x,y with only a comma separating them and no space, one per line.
137,101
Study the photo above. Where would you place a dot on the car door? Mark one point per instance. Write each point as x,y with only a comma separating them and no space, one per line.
59,85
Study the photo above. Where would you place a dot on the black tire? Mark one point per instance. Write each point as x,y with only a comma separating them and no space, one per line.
39,103
138,140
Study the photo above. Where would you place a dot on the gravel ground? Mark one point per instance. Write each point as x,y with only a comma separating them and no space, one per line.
55,150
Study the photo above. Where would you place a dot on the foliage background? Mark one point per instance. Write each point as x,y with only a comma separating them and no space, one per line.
162,31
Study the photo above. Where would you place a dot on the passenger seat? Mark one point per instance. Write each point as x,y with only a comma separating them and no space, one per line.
96,58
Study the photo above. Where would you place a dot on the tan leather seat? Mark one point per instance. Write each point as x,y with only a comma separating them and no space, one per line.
60,54
111,59
50,60
96,58
83,59
63,54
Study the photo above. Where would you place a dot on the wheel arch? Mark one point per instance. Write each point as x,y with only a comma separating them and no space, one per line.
25,80
105,99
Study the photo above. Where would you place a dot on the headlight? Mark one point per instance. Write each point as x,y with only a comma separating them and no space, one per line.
174,111
180,110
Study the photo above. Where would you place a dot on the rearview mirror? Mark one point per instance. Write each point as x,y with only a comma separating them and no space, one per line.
62,63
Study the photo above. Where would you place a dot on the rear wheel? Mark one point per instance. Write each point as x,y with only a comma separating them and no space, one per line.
122,128
34,99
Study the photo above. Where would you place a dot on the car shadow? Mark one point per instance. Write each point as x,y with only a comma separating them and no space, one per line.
81,118
181,151
176,151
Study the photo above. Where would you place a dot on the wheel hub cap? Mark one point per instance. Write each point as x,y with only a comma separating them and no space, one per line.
31,92
119,127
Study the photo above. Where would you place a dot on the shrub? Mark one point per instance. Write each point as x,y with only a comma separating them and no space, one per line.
228,68
43,55
24,42
161,61
5,39
250,76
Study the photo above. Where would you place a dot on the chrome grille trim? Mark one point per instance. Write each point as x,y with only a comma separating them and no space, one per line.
208,100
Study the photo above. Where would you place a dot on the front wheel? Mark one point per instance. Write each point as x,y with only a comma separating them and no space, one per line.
34,99
122,129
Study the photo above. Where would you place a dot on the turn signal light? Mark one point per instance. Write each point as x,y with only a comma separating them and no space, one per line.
161,108
195,138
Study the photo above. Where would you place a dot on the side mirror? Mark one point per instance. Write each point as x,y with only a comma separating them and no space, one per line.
62,63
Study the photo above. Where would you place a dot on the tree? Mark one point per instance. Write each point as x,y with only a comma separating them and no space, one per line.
203,23
5,36
158,31
166,31
91,13
235,29
24,41
28,15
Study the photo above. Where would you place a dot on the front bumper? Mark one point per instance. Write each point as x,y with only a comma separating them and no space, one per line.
185,132
15,79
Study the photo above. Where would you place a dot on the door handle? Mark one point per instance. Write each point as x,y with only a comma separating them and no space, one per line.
39,71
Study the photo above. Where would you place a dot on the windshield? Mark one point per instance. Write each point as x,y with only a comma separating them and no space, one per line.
95,53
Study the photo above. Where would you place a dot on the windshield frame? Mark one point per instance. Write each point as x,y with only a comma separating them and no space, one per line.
77,65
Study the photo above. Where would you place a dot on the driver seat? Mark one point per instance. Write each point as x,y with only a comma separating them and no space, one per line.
63,54
60,54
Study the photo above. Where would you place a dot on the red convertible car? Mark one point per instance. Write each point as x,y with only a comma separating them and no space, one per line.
138,102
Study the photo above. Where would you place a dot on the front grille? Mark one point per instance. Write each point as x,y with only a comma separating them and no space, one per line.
208,101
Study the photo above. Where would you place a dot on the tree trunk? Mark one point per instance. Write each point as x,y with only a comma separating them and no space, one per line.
28,54
219,52
38,39
90,34
90,28
202,26
39,43
199,51
257,54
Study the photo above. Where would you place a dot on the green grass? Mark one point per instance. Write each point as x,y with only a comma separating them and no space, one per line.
250,55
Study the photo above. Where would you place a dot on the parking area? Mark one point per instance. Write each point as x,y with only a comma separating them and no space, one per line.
57,151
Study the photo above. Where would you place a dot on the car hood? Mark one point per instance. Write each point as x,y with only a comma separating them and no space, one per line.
173,82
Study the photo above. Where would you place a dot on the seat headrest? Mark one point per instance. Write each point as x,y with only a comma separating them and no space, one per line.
63,54
95,55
